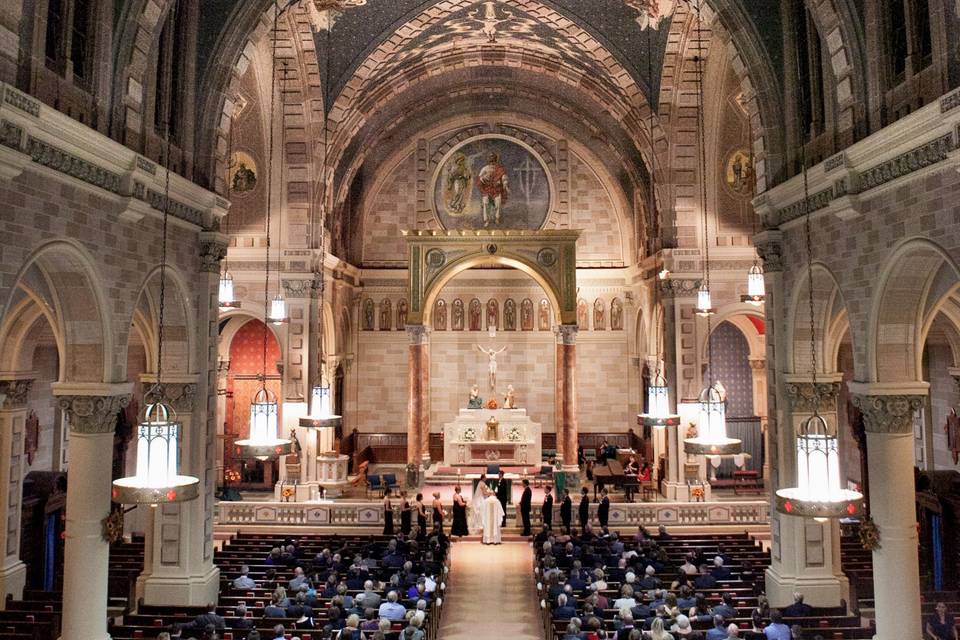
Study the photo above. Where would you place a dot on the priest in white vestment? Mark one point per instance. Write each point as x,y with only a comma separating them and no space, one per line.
492,517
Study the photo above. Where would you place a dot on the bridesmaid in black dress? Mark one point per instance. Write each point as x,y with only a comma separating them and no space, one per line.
387,515
405,514
438,512
421,518
459,527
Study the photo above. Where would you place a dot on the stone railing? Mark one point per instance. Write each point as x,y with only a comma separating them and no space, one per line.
370,514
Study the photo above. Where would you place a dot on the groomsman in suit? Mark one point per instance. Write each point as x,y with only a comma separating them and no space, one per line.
583,512
603,510
525,507
547,510
503,495
566,511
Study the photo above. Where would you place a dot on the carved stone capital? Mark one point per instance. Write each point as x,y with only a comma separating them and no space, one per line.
179,395
888,414
771,252
676,287
567,334
13,393
758,364
418,333
93,414
802,396
213,249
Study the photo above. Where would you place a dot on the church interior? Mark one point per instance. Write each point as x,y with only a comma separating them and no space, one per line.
450,319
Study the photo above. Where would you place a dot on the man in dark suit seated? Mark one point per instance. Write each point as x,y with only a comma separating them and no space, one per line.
719,571
705,580
241,621
798,609
725,608
200,623
563,610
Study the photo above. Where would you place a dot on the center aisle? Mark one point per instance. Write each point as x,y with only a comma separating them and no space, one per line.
491,593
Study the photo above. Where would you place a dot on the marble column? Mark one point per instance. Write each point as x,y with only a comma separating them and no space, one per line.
418,402
758,370
804,553
91,410
888,420
13,417
568,429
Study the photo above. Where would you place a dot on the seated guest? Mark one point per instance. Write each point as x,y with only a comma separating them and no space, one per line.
274,609
573,632
798,609
719,630
626,600
370,622
725,608
705,580
253,635
274,557
244,581
200,623
657,631
297,579
626,626
414,631
391,609
700,610
368,598
279,633
688,568
598,584
299,607
418,591
563,611
760,613
685,598
662,533
940,625
600,601
776,630
345,598
242,621
719,571
650,581
683,629
351,629
733,631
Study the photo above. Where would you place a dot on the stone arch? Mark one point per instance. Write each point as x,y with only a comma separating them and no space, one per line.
16,347
74,294
895,324
232,321
829,309
179,332
738,315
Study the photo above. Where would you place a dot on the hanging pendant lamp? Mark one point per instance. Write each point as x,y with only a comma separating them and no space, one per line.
658,413
226,296
264,442
704,302
756,289
819,493
157,479
711,438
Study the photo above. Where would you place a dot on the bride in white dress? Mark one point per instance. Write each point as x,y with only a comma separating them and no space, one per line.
476,508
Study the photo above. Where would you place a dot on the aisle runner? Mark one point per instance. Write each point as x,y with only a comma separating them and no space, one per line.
491,594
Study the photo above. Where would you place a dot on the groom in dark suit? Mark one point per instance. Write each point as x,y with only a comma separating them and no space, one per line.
503,495
547,510
525,506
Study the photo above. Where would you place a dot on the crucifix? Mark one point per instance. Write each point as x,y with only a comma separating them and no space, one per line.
492,367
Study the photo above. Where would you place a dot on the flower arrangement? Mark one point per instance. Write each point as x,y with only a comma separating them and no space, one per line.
231,475
287,493
469,434
514,434
697,493
869,535
492,403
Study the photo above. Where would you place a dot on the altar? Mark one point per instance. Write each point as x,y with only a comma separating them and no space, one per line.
492,436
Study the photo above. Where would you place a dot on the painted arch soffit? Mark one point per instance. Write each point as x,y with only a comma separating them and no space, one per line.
548,256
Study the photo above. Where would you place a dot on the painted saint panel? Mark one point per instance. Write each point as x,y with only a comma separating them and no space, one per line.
492,183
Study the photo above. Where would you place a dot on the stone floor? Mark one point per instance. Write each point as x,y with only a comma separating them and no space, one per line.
492,594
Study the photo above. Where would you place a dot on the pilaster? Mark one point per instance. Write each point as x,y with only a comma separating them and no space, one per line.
13,417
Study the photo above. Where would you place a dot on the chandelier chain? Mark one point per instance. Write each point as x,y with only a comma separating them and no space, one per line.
163,255
321,356
266,282
701,134
654,219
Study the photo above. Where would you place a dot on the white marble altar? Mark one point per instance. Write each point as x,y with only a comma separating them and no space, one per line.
492,436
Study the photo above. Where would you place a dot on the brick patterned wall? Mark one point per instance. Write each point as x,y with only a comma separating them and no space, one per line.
604,379
382,375
592,210
392,209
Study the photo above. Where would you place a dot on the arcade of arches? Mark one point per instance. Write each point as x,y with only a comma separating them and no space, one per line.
477,194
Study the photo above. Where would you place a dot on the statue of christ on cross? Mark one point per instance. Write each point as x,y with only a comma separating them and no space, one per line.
492,368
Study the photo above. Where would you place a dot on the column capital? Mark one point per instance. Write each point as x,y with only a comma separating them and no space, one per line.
213,249
92,414
804,396
14,392
757,364
567,333
418,333
769,246
888,413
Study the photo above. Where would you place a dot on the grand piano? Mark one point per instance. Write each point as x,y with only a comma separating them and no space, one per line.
611,475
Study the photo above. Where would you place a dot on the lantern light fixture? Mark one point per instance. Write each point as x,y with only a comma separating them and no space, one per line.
756,289
278,310
226,297
658,413
321,409
263,442
711,438
704,302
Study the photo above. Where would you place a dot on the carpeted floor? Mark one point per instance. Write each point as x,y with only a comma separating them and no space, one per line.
492,594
